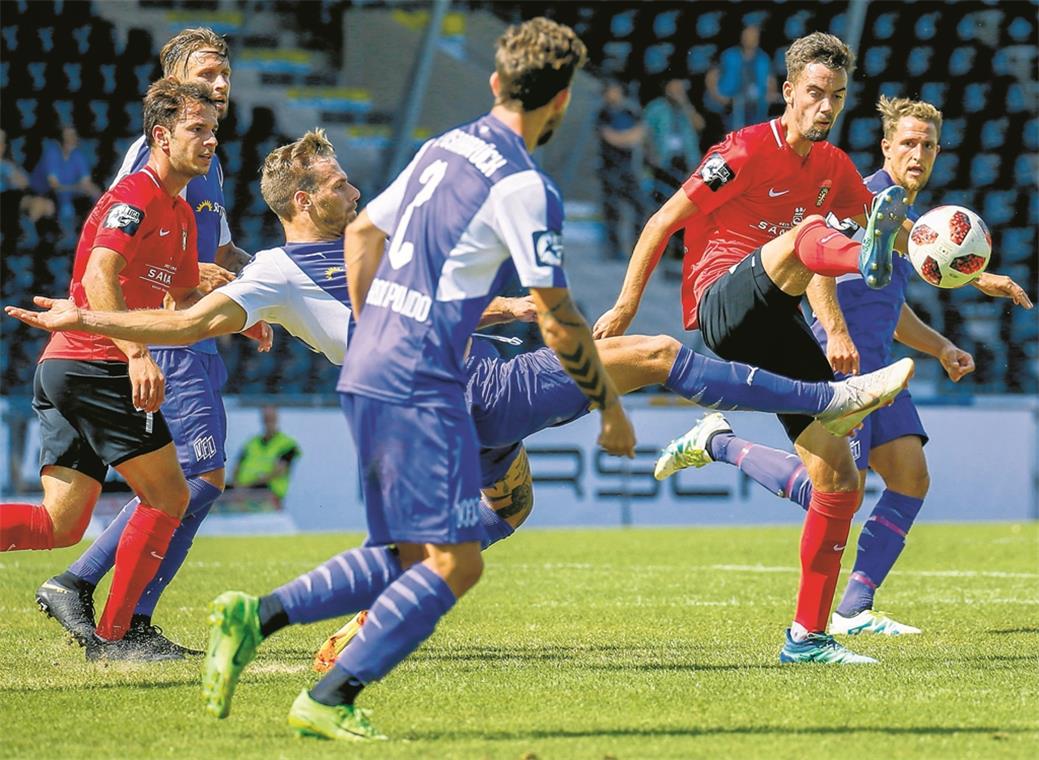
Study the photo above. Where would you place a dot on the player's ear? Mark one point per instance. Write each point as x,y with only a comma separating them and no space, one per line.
788,92
301,199
495,84
562,99
161,137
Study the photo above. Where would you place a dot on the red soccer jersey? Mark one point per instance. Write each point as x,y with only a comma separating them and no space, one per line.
751,188
154,233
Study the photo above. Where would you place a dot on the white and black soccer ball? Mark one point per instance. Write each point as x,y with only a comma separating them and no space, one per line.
950,246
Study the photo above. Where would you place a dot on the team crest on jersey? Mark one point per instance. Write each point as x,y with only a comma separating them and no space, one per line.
824,190
715,172
548,248
125,217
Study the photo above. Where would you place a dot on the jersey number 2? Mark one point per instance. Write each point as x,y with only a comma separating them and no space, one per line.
401,250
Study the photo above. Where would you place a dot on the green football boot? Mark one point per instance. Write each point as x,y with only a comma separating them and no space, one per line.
343,722
819,648
884,222
234,635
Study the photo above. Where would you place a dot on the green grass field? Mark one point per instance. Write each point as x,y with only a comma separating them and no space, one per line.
577,644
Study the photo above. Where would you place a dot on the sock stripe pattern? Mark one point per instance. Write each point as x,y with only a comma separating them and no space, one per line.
403,616
880,543
348,582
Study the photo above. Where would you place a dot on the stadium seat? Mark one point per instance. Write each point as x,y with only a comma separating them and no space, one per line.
876,60
919,61
884,25
999,207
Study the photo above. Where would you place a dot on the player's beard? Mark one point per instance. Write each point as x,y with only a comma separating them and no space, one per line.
817,134
550,128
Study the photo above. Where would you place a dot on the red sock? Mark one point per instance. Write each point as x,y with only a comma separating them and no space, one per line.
823,538
137,559
25,526
826,251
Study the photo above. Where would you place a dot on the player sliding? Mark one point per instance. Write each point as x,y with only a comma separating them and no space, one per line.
97,399
891,440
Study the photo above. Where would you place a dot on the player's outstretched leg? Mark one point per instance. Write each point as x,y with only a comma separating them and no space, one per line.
857,396
234,635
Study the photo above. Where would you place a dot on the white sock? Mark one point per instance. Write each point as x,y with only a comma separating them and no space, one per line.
798,632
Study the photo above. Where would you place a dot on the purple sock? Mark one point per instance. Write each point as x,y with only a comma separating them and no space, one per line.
495,528
99,557
403,616
734,386
348,582
881,541
780,472
203,494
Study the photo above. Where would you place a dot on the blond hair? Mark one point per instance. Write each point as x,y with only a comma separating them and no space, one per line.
176,53
290,168
536,60
818,47
167,101
893,110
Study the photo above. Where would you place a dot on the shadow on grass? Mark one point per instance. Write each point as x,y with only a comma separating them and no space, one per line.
169,684
692,731
1013,630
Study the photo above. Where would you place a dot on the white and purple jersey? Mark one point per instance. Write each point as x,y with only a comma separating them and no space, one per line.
470,209
205,195
872,315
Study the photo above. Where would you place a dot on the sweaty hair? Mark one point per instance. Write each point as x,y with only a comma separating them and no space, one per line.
535,60
167,101
290,168
818,47
176,53
892,110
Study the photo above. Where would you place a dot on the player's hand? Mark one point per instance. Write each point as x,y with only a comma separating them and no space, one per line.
1001,286
617,436
147,381
842,354
61,314
522,309
614,322
956,362
263,334
212,276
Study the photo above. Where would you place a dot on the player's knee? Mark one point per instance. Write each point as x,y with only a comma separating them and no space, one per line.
662,350
173,500
460,569
215,478
68,527
909,481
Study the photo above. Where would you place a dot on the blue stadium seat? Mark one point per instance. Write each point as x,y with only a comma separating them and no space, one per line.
953,131
875,60
708,25
1033,208
1017,245
934,93
700,58
839,25
893,89
657,58
863,132
975,97
622,24
1021,30
26,112
796,25
1026,170
1017,99
73,76
961,61
945,170
884,25
665,24
919,61
994,133
956,198
999,207
984,169
926,26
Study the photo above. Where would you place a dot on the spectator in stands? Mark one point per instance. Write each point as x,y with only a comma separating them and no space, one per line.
64,171
14,180
266,459
743,81
620,134
673,138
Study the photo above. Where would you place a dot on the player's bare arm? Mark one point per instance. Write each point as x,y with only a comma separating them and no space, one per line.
214,315
914,332
362,249
840,349
567,334
101,284
232,258
671,217
505,309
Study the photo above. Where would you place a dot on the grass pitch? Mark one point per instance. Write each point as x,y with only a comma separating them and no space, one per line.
577,644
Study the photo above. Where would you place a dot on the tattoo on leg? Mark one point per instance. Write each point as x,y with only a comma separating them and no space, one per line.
521,502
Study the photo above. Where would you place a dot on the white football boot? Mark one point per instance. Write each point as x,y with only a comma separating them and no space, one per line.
690,449
855,397
869,621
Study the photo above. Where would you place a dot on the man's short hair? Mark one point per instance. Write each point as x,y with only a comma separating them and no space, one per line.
290,168
167,101
535,60
892,111
176,53
818,47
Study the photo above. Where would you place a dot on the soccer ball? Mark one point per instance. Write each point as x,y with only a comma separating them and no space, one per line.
950,246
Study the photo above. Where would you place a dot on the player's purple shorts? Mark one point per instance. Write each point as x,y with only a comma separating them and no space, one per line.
885,425
420,472
511,399
193,408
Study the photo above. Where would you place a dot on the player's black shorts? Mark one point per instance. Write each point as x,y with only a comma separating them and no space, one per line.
87,418
744,317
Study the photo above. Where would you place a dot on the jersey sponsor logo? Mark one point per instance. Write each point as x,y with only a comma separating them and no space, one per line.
160,276
715,172
773,193
824,190
775,229
467,512
399,299
331,272
211,206
548,248
123,216
164,233
205,447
